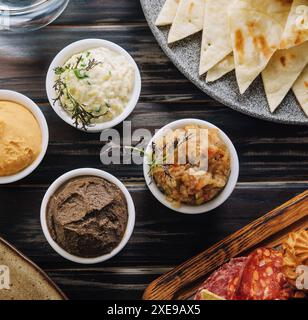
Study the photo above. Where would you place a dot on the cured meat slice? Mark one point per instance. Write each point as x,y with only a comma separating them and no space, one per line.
262,277
225,281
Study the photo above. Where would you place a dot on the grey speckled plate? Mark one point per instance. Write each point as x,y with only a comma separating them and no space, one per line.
185,55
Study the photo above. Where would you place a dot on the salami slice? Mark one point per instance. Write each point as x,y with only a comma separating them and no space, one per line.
262,277
225,281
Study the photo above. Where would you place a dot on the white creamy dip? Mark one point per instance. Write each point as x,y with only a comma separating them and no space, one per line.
99,81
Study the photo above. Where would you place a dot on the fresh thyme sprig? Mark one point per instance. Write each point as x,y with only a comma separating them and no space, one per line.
79,113
163,152
80,70
159,160
155,161
92,64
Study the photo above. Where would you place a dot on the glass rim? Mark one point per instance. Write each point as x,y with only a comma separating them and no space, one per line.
27,8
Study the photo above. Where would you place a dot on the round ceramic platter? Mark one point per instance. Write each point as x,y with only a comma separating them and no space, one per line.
185,55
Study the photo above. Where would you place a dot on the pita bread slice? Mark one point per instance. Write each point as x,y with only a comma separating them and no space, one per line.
216,41
300,90
256,27
188,20
296,30
282,71
220,69
167,13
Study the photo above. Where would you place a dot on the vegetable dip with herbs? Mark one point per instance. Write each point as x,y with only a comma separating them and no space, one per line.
95,86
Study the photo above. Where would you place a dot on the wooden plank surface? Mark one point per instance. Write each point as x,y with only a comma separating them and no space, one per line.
182,282
274,158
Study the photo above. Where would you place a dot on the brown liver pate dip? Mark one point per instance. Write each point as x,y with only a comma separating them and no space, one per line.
87,216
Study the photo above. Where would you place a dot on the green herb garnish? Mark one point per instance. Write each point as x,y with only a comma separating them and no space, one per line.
159,160
80,74
79,113
80,69
59,70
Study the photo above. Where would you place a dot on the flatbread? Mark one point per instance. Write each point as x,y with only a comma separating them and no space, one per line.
220,69
296,30
282,71
256,28
300,90
167,13
188,20
216,41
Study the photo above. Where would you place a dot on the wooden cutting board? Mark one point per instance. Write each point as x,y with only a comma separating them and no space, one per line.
182,282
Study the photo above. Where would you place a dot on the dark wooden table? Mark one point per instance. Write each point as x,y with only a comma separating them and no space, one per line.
274,158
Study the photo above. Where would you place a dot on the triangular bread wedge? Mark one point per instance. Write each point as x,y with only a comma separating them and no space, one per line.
216,41
282,71
188,20
296,30
300,90
220,69
256,28
167,13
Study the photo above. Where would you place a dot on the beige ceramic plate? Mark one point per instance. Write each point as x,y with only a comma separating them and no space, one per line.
21,279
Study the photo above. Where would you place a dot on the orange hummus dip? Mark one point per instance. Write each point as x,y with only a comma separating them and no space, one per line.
20,138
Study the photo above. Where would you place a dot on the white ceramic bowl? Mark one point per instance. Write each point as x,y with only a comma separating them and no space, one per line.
76,48
79,173
7,95
221,197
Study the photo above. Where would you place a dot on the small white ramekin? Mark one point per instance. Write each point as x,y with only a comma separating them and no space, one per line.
76,48
80,173
221,197
7,95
